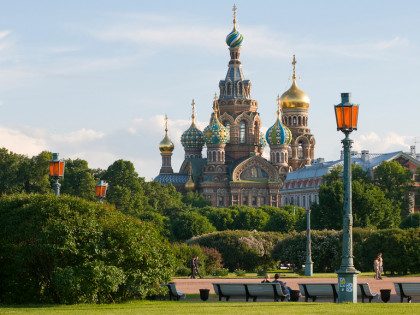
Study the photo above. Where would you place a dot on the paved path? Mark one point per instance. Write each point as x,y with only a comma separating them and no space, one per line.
194,285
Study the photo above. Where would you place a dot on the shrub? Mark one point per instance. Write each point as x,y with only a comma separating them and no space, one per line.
221,272
241,249
69,250
213,259
411,221
184,254
250,219
240,272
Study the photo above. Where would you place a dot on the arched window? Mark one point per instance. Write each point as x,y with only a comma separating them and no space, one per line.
242,130
240,88
299,120
290,120
294,120
218,156
227,125
300,150
277,157
214,156
229,88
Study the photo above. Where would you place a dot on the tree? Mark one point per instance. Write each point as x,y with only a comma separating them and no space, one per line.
78,180
281,221
69,250
250,219
160,196
125,189
12,172
395,181
38,174
195,199
222,218
189,224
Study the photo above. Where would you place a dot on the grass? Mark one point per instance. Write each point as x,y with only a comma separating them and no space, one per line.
215,307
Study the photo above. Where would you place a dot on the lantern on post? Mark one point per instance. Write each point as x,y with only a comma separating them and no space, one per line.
56,172
100,190
346,116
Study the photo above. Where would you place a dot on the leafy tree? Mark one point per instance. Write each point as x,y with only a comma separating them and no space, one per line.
250,219
125,189
395,181
281,221
78,180
160,196
161,223
12,172
222,218
38,174
189,224
411,221
69,250
195,200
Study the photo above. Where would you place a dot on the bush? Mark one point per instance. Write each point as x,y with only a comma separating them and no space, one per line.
68,250
184,254
411,221
240,272
213,259
241,249
222,272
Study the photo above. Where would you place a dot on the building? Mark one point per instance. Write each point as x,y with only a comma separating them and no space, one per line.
234,172
301,187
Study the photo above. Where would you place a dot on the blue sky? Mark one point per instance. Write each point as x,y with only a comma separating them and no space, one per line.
93,79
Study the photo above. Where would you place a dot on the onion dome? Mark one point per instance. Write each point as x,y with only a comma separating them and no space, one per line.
294,97
263,142
234,38
215,132
192,137
166,145
278,133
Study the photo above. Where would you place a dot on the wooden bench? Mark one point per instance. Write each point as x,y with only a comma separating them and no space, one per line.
364,292
249,290
318,290
173,292
407,290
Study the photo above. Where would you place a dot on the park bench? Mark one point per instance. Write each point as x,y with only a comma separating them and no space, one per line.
364,292
407,290
173,292
249,290
318,290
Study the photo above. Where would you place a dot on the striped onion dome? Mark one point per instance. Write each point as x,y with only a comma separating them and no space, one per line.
234,38
216,133
278,134
192,138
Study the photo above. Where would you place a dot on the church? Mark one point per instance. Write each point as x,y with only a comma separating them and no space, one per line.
234,172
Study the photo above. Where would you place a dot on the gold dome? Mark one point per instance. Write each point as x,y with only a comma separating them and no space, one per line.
166,145
190,186
294,97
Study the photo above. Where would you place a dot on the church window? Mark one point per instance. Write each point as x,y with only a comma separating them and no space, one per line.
240,88
242,132
294,120
262,201
229,89
221,201
244,200
274,201
299,120
218,156
214,156
290,121
254,200
300,150
277,157
235,200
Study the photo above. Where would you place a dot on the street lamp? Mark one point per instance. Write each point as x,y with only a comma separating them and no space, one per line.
56,172
100,189
308,263
346,116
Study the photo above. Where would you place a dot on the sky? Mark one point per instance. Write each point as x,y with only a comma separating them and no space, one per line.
94,79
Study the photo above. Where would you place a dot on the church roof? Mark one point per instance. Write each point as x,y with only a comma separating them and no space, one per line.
174,178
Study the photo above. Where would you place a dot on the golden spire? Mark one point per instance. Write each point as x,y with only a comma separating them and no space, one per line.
193,116
216,105
166,124
234,15
294,67
278,107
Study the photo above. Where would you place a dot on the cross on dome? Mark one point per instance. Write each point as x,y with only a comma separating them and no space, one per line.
294,67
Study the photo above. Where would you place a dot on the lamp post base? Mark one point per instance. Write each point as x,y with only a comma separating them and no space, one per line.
347,285
309,269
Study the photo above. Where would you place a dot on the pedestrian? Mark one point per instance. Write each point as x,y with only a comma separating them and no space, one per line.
381,265
376,268
196,265
192,266
266,278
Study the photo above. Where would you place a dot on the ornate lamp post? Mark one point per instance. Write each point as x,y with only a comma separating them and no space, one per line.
308,263
100,190
56,172
346,116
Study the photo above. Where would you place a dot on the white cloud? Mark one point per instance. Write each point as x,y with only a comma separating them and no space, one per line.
1,103
390,142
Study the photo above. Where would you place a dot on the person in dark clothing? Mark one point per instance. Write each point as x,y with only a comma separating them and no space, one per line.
266,278
284,288
192,266
196,265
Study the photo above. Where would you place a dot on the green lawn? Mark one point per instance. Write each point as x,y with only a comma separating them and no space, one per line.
198,307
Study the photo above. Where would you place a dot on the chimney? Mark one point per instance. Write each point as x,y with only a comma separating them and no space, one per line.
365,155
413,151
